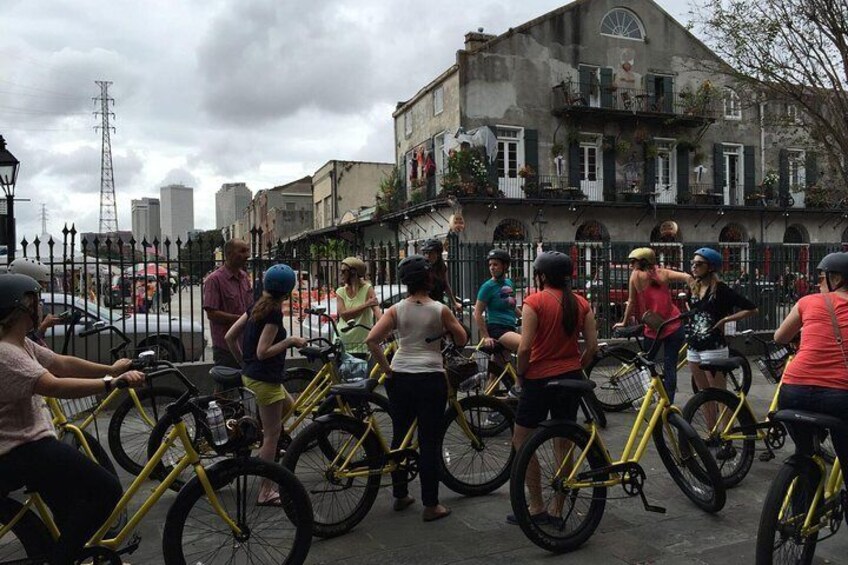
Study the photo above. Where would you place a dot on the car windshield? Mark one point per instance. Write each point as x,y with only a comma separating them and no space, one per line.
86,306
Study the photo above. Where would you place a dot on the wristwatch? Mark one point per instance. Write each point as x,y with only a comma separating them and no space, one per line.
107,382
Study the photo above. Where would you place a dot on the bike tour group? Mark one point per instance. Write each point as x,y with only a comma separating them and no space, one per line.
308,448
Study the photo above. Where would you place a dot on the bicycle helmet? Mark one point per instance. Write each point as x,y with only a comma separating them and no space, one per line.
279,280
415,269
645,254
553,264
432,245
835,263
501,255
357,265
13,288
31,268
711,256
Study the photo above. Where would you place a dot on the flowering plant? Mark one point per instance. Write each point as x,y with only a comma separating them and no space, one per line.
526,171
771,180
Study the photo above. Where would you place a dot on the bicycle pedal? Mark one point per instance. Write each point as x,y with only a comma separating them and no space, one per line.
130,547
767,456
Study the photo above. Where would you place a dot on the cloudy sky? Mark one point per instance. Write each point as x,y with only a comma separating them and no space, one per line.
213,91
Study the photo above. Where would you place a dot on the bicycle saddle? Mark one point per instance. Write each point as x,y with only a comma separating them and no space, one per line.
803,417
630,331
722,365
359,388
316,352
580,386
226,376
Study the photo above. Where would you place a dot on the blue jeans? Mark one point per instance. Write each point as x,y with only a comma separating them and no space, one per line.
829,401
671,345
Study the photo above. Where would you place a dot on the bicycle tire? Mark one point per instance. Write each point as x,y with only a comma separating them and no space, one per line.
240,506
733,469
125,420
299,460
802,476
602,370
695,458
33,538
745,366
482,478
552,537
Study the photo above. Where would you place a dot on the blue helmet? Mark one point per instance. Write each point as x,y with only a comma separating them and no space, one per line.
712,257
279,279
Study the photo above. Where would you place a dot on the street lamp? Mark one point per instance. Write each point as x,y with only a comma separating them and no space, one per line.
9,166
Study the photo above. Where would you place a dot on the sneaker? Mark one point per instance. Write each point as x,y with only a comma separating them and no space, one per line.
495,419
725,452
515,391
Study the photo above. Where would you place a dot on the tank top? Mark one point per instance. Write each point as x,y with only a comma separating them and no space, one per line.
354,340
658,299
819,360
553,352
417,321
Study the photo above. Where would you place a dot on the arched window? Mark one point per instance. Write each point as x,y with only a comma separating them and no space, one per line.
732,105
796,233
510,230
732,233
592,231
620,22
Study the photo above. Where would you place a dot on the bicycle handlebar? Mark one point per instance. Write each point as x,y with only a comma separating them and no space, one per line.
346,329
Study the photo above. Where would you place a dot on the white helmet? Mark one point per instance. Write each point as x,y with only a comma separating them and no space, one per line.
31,268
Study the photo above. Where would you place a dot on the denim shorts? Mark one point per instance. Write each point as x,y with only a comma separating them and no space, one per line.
707,355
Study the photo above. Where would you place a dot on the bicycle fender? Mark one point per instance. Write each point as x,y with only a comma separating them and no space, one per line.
333,416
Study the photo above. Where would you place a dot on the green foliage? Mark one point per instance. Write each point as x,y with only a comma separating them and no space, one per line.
467,173
199,255
388,198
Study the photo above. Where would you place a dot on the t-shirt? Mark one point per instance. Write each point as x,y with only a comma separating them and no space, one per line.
270,369
499,298
553,352
819,361
714,306
23,414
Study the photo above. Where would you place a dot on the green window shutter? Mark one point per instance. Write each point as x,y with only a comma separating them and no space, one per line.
682,175
574,164
609,168
811,168
718,168
650,184
783,172
531,149
585,74
668,93
750,165
606,87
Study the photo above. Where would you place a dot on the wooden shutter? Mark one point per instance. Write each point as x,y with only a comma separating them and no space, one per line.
783,172
609,167
718,168
531,149
682,175
650,184
750,165
574,164
811,168
606,88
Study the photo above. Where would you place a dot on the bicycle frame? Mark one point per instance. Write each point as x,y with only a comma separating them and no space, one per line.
829,486
507,370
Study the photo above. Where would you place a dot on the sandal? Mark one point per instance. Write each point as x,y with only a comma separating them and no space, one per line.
402,503
433,515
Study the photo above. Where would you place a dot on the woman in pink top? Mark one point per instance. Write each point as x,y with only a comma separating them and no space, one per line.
649,292
817,378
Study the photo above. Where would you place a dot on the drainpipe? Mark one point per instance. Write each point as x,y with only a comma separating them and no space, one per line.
334,193
762,165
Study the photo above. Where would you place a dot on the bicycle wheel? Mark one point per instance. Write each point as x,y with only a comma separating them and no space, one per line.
575,513
338,503
709,413
28,538
689,463
195,533
746,370
479,463
129,429
779,538
605,370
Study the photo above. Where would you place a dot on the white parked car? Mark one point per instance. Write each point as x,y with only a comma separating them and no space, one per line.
176,339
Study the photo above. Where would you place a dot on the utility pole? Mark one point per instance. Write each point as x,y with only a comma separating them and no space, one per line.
108,208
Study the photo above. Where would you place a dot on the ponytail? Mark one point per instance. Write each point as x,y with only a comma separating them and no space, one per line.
265,305
569,302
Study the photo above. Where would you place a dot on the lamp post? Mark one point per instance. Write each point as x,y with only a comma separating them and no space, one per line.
8,177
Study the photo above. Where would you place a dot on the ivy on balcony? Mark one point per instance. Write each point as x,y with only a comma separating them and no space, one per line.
467,174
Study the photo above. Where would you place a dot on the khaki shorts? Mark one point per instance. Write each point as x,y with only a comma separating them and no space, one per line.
266,393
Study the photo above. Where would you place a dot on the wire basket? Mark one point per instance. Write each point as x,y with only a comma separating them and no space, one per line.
235,403
772,366
76,408
634,384
482,360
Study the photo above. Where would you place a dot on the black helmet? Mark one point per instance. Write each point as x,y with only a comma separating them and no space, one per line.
13,288
835,263
415,269
553,264
432,245
501,255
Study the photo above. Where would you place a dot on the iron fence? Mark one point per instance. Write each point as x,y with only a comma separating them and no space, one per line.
153,291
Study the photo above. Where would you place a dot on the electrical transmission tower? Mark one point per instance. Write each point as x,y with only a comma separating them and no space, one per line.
44,219
108,209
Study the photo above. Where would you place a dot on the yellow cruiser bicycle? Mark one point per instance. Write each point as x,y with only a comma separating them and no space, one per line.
341,459
215,517
805,503
576,469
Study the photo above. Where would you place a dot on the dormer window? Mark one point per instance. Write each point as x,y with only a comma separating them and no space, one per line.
620,22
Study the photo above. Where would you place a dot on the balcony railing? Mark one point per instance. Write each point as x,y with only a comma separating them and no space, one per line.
569,95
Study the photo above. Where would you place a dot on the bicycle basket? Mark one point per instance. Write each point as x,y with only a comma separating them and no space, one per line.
482,360
772,366
459,368
633,384
352,368
237,404
76,408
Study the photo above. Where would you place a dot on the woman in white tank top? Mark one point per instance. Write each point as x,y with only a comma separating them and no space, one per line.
416,382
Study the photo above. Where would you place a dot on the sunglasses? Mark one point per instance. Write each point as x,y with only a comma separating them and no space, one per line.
344,271
698,263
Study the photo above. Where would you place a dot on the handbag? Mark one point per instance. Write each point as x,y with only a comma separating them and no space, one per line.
837,333
652,320
459,367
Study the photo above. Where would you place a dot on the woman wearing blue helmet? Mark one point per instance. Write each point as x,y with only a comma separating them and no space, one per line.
258,341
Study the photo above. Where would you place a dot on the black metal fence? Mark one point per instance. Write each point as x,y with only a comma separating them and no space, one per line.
153,291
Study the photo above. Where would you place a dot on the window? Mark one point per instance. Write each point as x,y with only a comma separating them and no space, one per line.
328,212
792,112
407,123
439,153
291,206
665,164
438,101
588,161
508,141
620,22
797,173
732,105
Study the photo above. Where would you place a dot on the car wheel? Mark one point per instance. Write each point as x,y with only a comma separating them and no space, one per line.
167,350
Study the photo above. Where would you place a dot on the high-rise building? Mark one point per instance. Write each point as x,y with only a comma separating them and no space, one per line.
177,206
145,219
230,202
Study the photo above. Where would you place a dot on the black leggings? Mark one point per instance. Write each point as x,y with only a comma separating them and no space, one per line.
422,396
80,493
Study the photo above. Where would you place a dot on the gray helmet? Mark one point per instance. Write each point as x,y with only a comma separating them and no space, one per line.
500,255
432,245
13,288
835,263
30,267
415,269
553,264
